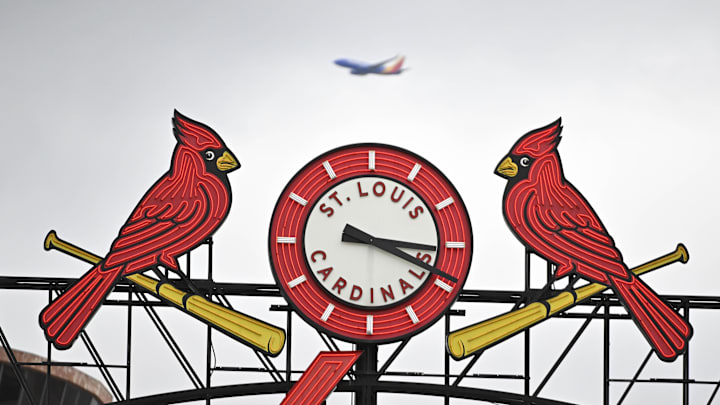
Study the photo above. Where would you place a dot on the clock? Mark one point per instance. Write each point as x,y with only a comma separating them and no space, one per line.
370,243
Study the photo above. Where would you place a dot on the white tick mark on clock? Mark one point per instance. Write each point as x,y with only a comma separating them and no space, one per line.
455,245
415,170
443,285
297,281
329,170
411,314
444,203
371,160
286,239
327,312
369,325
298,199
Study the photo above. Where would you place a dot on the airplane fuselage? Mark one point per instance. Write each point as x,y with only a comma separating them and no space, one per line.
389,67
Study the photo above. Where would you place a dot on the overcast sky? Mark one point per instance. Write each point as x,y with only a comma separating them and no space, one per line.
88,90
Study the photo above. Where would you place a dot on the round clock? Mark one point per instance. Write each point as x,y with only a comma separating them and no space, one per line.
370,243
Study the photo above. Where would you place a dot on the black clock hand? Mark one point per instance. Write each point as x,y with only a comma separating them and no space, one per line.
352,234
396,243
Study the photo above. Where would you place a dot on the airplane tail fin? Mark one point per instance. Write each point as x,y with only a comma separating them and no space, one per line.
394,66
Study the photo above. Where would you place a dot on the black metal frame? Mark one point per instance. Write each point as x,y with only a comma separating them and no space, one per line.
16,368
367,379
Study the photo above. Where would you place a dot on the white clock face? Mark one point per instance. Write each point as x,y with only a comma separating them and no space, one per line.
358,273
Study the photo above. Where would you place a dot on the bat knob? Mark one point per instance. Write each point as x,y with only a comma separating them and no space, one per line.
455,347
684,255
50,240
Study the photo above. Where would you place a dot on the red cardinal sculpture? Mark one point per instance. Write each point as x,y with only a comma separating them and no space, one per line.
552,218
180,211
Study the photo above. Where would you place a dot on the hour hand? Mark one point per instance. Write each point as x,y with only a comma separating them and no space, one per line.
354,235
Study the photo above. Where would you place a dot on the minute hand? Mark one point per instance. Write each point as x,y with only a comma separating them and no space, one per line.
388,246
396,243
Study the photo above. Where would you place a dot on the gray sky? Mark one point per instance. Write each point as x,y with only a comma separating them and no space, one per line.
88,89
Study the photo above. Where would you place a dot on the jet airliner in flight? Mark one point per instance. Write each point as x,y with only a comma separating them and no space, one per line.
388,67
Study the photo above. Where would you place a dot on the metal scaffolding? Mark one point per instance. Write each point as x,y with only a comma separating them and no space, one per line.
371,374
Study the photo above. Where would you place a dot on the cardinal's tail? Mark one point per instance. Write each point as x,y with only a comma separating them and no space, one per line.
667,332
64,318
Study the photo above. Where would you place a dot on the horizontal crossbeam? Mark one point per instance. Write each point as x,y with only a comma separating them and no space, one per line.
271,290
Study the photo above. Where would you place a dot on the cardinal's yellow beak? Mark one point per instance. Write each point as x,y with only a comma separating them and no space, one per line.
507,168
227,162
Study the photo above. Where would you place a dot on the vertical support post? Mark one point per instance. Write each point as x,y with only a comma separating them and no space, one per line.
606,352
526,372
549,272
48,375
25,394
129,344
288,347
208,367
187,265
686,360
527,270
447,358
366,373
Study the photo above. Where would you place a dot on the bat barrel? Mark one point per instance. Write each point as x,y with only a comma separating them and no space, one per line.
466,341
251,331
254,331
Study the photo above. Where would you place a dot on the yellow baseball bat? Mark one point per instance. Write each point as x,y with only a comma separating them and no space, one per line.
468,340
254,332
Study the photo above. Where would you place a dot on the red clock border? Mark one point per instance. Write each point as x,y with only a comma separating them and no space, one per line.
326,312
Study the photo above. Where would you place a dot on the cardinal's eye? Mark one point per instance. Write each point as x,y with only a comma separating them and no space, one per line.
524,161
209,155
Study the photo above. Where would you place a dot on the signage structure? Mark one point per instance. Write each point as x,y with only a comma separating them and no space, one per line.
370,243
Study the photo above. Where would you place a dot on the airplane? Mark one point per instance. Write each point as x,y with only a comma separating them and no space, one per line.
391,66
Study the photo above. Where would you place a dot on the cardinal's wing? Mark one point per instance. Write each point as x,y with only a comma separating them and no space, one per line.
172,210
563,219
